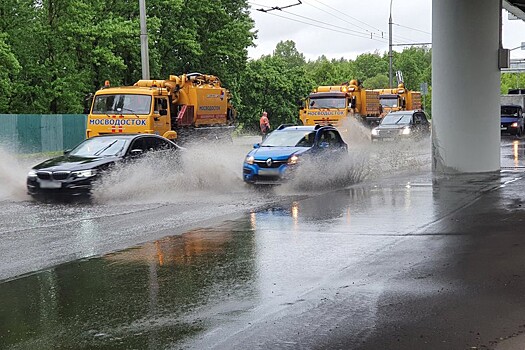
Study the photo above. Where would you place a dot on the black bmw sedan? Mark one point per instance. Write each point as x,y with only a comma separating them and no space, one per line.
73,173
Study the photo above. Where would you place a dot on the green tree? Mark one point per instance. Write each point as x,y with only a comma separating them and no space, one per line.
415,64
288,52
512,81
379,81
369,65
329,72
67,48
9,68
275,84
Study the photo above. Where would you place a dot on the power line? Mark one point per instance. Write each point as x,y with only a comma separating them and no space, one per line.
412,44
342,30
278,7
342,19
417,30
332,25
356,19
361,35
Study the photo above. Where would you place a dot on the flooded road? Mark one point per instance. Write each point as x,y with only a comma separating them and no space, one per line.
230,267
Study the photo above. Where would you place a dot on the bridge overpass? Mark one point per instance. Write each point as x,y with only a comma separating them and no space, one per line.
467,58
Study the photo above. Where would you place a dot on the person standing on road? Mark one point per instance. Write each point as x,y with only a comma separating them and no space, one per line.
264,123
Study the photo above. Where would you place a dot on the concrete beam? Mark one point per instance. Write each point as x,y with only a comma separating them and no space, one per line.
466,86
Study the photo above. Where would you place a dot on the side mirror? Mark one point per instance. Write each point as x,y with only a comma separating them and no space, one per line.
354,102
136,152
66,151
163,112
257,145
88,101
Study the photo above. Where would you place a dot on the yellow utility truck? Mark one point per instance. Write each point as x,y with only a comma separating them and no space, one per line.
399,99
335,104
170,108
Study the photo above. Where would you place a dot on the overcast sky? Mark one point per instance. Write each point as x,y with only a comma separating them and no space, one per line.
348,25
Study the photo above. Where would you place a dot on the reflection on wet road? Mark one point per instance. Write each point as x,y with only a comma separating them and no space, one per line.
210,283
137,298
317,270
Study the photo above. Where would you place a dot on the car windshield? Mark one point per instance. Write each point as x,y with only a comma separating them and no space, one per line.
388,102
99,147
396,119
122,104
512,111
333,102
290,138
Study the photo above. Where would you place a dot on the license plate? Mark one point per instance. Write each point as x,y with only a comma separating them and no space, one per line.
270,172
503,128
50,184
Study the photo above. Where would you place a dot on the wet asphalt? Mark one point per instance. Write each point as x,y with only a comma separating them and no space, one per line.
400,261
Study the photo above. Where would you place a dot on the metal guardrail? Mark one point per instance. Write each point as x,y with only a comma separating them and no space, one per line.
516,66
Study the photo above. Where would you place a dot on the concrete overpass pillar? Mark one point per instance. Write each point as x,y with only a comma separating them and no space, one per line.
465,86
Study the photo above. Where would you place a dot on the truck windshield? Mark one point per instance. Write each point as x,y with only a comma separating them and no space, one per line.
512,111
388,101
331,102
122,104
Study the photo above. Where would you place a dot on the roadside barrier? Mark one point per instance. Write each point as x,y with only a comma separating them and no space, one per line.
35,133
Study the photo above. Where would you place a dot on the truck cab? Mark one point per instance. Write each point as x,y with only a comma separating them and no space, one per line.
399,99
130,109
332,105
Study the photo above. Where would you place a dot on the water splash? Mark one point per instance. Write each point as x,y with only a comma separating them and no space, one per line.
13,175
196,172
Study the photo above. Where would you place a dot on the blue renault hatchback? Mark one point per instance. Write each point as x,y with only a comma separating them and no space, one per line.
275,159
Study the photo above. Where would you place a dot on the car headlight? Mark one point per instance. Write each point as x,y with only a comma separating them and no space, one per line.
406,130
375,131
249,159
32,174
514,125
293,160
84,173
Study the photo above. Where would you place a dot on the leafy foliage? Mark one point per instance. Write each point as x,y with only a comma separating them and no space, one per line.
512,81
274,84
54,52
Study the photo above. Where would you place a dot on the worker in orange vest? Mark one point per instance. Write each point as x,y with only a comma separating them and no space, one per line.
264,123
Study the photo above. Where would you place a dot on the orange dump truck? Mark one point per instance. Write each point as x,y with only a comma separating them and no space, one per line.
178,105
334,104
399,99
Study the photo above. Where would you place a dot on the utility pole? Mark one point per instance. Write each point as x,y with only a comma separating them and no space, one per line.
390,47
144,53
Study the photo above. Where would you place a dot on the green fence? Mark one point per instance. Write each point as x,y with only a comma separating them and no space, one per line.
33,133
